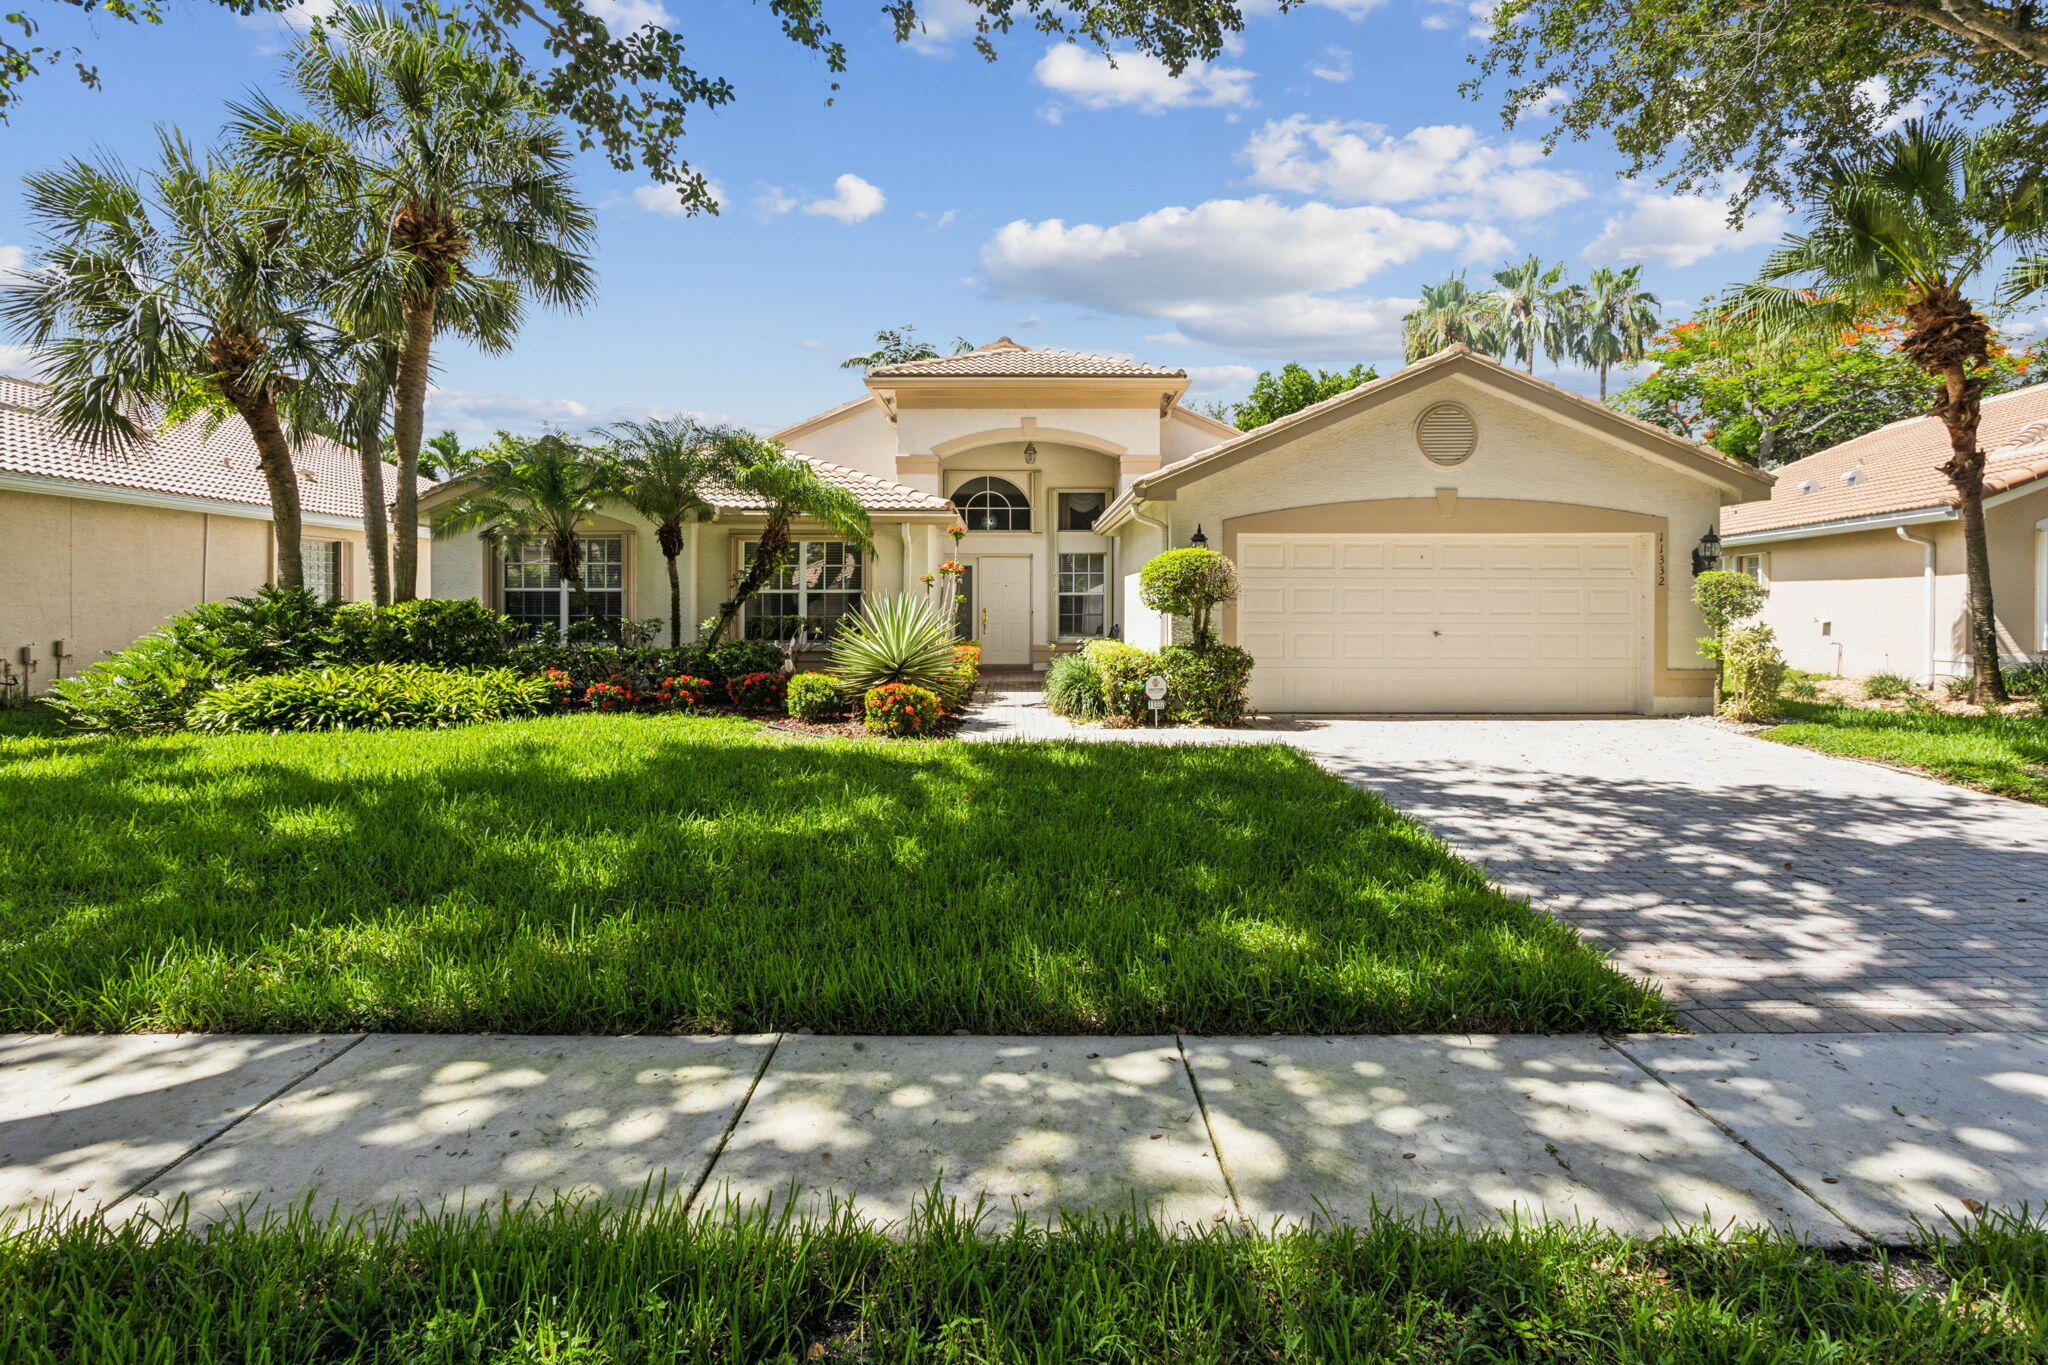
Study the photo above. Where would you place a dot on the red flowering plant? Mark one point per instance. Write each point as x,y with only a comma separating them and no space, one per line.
957,530
758,691
561,687
682,693
902,710
610,696
952,566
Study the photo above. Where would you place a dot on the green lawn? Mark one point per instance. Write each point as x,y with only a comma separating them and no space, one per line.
2004,754
567,1285
610,874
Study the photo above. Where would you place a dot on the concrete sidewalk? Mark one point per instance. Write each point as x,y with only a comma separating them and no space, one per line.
1834,1137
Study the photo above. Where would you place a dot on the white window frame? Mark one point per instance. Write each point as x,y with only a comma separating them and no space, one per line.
1061,593
1023,491
1763,566
798,588
564,598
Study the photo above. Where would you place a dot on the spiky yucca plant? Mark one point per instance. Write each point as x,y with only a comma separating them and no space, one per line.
895,639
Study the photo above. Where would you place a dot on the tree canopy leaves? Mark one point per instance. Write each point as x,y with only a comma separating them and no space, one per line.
1293,387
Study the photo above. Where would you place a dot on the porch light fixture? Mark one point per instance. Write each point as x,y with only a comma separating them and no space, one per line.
1031,452
1198,540
1708,554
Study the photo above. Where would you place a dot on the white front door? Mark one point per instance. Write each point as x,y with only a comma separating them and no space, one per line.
1445,623
1002,588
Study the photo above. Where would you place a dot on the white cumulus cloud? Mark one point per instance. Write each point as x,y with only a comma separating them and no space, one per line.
624,16
1332,64
1132,80
1679,230
1448,167
851,201
664,199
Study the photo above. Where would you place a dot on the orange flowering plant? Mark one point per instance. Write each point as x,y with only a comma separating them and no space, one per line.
902,710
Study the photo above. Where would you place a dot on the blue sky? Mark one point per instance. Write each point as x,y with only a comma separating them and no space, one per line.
1284,202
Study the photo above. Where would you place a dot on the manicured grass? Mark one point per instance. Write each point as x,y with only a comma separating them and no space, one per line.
567,1284
2005,754
625,873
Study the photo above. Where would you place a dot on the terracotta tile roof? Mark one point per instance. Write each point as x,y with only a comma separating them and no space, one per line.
1897,468
875,494
1004,358
185,462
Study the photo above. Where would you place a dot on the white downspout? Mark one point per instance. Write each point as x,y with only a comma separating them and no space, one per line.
1165,544
1926,544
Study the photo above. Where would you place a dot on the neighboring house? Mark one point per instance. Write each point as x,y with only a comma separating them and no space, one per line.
1861,545
1458,536
98,547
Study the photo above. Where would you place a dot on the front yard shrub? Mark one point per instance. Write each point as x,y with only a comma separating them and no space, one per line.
1190,582
586,664
445,632
1753,671
758,691
899,639
614,694
369,696
1123,669
561,687
1205,685
1886,687
731,659
1073,688
1724,598
902,710
961,682
146,688
816,697
683,692
2028,680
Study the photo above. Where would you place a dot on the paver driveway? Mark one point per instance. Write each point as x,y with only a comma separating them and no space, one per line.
1766,888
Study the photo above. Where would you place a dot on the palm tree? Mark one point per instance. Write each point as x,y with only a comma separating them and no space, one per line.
1534,312
1616,320
460,162
788,488
663,465
535,490
365,409
1452,314
1905,228
186,288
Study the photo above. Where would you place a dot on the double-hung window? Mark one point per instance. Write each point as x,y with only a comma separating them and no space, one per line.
534,595
1084,594
1751,564
321,563
820,583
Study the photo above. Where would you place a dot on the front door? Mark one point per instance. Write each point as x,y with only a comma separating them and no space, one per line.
1002,599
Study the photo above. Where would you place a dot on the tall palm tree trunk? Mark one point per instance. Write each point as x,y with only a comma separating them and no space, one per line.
669,537
409,391
1960,409
274,458
376,537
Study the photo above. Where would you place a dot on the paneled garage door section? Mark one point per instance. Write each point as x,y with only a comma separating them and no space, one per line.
1444,623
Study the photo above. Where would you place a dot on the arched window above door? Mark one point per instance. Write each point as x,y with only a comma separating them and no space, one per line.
992,504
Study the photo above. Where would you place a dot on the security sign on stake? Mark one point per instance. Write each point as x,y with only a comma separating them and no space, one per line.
1155,693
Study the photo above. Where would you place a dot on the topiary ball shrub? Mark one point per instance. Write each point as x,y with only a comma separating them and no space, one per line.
1190,582
683,693
816,697
1206,685
902,710
758,691
615,695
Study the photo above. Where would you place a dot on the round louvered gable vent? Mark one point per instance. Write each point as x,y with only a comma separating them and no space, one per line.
1447,434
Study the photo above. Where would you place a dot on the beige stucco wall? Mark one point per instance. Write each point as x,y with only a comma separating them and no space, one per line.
1546,466
1854,604
98,574
864,440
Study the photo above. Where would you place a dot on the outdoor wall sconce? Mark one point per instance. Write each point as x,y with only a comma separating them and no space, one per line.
1030,452
1198,540
1708,554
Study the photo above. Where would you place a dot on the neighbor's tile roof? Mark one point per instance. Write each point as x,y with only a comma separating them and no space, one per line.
185,461
1004,358
1897,468
875,494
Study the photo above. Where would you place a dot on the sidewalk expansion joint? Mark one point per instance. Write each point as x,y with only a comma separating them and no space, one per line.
732,1126
1209,1127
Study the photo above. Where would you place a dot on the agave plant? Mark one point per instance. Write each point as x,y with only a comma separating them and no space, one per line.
895,640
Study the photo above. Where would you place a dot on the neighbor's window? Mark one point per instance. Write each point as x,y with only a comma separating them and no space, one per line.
820,584
321,560
989,504
1078,511
1753,565
1084,594
535,595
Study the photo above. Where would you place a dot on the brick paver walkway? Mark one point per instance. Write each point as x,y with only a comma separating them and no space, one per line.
1766,888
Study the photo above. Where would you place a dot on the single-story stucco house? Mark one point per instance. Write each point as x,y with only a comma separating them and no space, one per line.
1459,536
98,547
1861,545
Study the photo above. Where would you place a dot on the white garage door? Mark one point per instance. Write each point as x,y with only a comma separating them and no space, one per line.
1445,623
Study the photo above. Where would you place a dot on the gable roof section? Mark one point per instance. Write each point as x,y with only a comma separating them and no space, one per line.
876,494
1897,468
184,462
1007,359
824,419
1741,479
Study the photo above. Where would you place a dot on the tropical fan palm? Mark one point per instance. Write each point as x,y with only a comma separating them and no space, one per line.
535,490
1534,312
663,466
1616,319
787,487
1906,228
189,288
895,639
465,175
1452,314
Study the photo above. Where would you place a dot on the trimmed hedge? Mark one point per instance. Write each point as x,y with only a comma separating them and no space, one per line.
369,696
816,697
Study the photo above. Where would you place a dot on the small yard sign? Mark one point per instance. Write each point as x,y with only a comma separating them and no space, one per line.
1155,693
